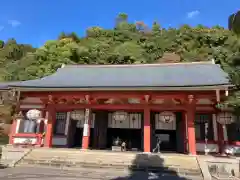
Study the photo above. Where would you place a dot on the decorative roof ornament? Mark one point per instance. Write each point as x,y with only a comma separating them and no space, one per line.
50,99
190,99
147,97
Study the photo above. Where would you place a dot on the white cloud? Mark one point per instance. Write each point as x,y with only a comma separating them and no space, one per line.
14,23
193,14
1,28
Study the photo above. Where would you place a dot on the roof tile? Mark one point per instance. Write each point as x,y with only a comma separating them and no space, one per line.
149,75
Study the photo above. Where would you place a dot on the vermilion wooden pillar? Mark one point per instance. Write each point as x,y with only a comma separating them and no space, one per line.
184,130
14,126
220,138
50,126
12,131
147,130
86,129
191,108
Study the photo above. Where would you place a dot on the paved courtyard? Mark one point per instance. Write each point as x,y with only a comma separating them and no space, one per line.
24,173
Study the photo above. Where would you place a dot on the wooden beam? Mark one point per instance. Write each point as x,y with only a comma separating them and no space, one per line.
147,99
168,96
127,94
117,107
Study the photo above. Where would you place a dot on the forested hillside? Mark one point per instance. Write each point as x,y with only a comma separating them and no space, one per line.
126,43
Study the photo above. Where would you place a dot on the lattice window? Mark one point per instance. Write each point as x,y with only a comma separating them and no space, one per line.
200,121
61,118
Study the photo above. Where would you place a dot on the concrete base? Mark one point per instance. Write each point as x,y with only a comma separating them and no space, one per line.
116,148
12,155
206,166
75,159
219,167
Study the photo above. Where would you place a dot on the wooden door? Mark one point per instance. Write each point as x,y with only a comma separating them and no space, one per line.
100,130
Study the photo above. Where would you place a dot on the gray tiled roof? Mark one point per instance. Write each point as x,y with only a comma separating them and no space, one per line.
5,85
154,75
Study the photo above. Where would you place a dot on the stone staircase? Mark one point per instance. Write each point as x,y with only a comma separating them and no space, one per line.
75,159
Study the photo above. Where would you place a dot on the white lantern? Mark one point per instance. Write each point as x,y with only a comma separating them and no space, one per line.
78,115
120,116
167,117
225,118
34,114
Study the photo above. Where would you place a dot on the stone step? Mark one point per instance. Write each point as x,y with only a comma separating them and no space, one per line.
99,157
76,159
165,161
71,165
103,163
191,165
104,153
100,162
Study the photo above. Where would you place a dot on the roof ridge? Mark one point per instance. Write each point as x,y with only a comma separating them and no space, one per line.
136,65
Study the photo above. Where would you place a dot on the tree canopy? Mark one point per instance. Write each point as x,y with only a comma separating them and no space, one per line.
234,22
126,43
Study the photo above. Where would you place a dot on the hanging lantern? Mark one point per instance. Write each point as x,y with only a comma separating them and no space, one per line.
225,118
167,117
120,116
34,114
78,115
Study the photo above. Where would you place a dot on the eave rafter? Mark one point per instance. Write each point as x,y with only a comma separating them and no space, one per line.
93,98
116,98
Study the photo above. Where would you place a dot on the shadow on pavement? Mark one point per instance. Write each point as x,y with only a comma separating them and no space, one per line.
2,166
150,166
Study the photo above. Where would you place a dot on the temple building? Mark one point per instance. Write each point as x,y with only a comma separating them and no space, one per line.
97,106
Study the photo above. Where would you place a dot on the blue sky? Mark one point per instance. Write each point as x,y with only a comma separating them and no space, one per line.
34,22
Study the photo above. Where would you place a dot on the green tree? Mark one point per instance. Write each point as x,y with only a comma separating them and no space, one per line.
10,54
234,22
126,43
156,28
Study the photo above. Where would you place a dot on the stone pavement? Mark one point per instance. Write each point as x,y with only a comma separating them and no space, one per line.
33,173
110,165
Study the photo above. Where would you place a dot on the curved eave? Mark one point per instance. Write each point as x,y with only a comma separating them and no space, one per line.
1,90
173,88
